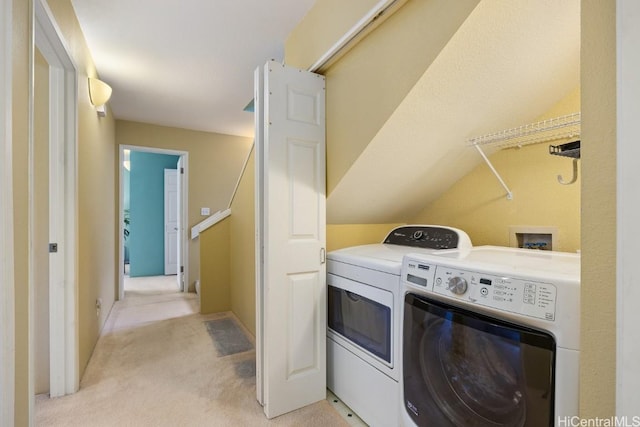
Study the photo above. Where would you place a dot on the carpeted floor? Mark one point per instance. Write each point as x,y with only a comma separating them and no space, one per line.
150,371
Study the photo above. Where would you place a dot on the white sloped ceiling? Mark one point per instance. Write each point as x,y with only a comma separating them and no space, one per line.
508,64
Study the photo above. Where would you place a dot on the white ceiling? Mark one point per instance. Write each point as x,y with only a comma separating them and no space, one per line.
186,63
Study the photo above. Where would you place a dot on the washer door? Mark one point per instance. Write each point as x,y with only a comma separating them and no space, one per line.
465,369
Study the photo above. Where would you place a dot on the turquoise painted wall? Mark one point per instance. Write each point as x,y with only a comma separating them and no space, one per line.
146,204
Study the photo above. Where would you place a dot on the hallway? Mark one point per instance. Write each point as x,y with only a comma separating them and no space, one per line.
155,364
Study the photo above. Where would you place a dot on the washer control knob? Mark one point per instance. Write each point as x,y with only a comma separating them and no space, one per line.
418,234
457,285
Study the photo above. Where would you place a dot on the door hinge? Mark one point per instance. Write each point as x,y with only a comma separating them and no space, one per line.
53,248
182,170
323,256
182,269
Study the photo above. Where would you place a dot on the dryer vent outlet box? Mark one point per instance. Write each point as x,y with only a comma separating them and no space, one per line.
540,238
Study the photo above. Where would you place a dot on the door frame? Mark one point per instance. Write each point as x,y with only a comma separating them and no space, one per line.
183,256
7,285
63,123
628,207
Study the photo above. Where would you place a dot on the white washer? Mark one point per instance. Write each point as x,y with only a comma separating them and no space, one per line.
490,337
363,334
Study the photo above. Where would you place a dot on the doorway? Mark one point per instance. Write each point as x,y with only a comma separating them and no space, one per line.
52,212
150,239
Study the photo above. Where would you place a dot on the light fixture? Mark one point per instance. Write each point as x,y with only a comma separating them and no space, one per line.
99,93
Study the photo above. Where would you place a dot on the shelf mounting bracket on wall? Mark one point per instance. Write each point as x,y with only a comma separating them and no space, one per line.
546,130
495,172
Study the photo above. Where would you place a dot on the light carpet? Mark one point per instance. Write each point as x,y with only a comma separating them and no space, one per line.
151,372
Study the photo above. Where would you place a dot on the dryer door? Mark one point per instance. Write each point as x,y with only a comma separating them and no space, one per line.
462,368
361,318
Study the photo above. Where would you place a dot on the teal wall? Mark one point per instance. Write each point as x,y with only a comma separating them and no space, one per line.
146,204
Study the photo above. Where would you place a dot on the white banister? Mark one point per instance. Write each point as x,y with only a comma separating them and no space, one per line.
209,222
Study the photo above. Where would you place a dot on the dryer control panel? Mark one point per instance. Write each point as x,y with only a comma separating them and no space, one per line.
428,237
516,295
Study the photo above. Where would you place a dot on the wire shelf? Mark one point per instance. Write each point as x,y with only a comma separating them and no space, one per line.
544,131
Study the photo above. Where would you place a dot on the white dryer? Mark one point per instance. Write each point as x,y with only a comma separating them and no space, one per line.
490,337
364,314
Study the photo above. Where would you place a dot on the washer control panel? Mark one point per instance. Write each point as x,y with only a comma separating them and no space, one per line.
528,297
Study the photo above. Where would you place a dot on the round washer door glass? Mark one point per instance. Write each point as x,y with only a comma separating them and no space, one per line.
461,368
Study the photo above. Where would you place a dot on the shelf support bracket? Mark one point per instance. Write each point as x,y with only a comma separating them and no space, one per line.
495,172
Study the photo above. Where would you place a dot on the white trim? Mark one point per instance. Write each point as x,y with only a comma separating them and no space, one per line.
209,222
184,204
258,143
376,15
628,208
7,295
63,122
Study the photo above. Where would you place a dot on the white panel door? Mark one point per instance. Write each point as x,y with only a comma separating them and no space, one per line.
292,183
170,221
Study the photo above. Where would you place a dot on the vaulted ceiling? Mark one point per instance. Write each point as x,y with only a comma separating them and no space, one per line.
508,64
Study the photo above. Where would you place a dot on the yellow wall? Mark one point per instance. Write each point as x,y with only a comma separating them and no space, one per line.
215,163
368,83
477,203
20,128
243,276
227,255
344,235
215,276
598,319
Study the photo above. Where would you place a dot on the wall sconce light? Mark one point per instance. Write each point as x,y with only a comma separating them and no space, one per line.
99,94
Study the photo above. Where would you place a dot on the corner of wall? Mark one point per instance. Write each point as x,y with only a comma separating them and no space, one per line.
215,273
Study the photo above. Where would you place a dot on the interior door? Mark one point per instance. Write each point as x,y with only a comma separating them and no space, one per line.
170,221
291,243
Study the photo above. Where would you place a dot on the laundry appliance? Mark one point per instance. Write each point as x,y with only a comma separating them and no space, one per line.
490,337
364,314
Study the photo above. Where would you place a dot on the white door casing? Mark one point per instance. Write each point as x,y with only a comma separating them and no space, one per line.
628,208
293,341
259,182
63,87
171,209
183,197
181,233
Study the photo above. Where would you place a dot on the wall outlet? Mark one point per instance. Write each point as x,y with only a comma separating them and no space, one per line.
98,307
205,211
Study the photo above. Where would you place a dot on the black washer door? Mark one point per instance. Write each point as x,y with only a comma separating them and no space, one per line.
464,369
